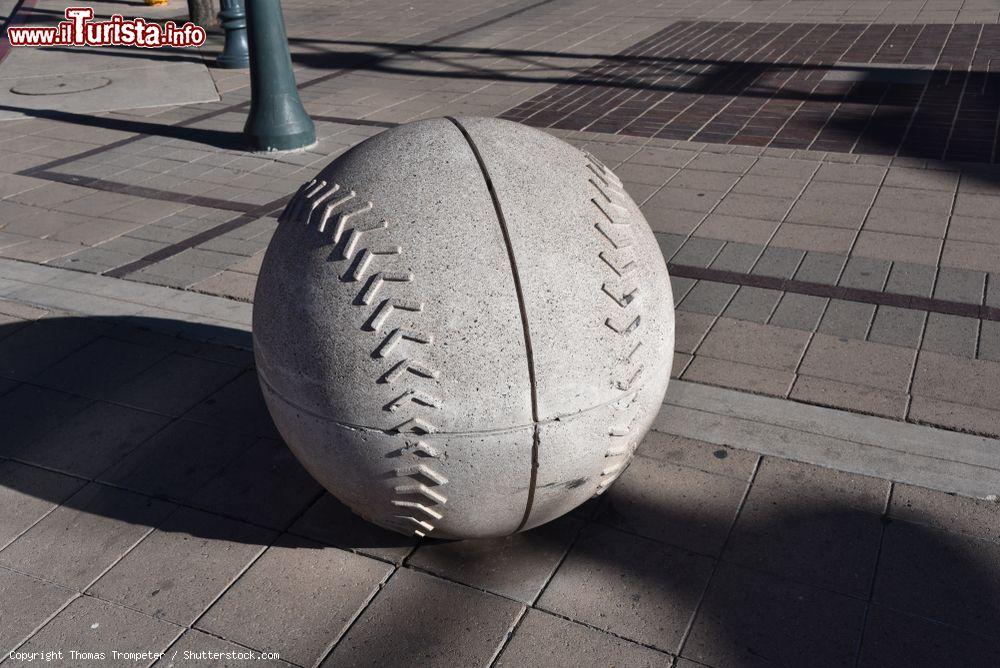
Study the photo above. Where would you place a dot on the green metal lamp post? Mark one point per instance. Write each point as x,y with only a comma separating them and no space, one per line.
277,121
233,18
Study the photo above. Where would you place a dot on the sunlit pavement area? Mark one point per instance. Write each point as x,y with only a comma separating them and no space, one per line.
818,490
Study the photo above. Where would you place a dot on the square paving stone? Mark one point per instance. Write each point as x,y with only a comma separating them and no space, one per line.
175,384
749,231
89,625
755,344
28,413
26,602
896,640
689,330
98,369
819,267
194,649
630,586
179,461
709,457
27,494
197,555
911,279
958,380
737,256
41,344
546,640
949,512
707,297
960,285
810,525
267,486
673,504
858,398
778,262
76,542
515,566
897,326
239,406
947,577
951,334
92,440
754,619
859,362
865,273
277,606
847,319
797,311
753,304
333,523
421,617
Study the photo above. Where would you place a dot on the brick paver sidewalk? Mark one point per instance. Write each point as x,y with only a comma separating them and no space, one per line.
822,178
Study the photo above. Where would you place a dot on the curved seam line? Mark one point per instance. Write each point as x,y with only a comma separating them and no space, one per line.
524,319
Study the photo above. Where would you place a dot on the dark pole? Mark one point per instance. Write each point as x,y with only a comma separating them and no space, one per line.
277,121
233,18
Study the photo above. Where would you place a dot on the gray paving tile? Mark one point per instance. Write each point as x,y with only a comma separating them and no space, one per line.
859,362
703,456
89,625
689,330
942,576
74,543
897,326
98,369
751,618
989,341
811,525
673,504
310,617
333,523
265,485
174,384
680,287
760,207
33,348
949,512
26,602
779,262
911,279
29,412
865,273
669,243
819,267
516,566
850,396
736,256
546,640
893,639
708,297
834,214
921,223
197,556
961,285
633,587
738,375
847,319
951,334
797,311
90,441
753,343
993,291
754,304
27,494
697,252
415,614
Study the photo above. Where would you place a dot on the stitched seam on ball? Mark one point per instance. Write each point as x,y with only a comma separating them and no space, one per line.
370,265
535,440
614,227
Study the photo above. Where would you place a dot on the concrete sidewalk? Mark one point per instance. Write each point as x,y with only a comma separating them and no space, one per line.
822,178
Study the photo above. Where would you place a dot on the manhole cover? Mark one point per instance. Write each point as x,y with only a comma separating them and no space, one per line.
61,85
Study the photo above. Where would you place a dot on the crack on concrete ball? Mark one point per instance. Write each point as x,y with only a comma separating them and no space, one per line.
463,327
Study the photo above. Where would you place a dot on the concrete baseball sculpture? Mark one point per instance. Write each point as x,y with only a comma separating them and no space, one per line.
463,327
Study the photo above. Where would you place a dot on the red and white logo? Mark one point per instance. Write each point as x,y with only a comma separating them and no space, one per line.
80,29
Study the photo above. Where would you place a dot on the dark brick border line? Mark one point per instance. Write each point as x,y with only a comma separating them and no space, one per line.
945,306
146,192
271,207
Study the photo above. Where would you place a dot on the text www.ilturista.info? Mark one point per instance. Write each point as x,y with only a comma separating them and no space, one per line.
79,29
